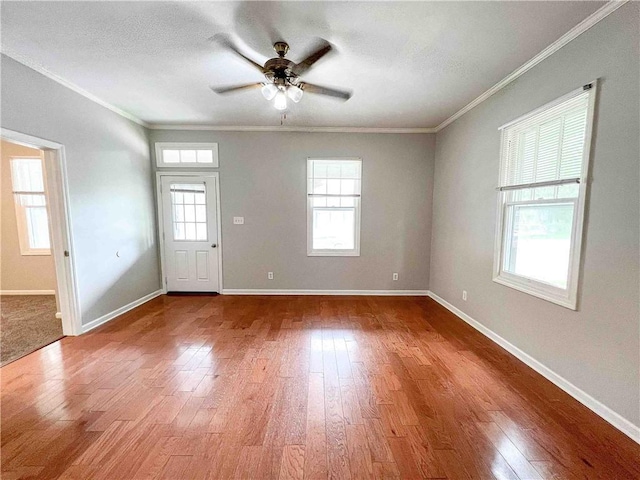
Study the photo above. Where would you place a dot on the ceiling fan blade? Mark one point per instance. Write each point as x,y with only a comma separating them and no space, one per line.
235,88
321,50
226,42
332,92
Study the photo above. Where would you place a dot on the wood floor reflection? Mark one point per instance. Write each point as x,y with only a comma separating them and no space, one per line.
295,387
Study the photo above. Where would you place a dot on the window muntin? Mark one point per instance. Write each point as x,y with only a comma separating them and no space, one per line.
31,206
189,212
187,155
333,205
541,201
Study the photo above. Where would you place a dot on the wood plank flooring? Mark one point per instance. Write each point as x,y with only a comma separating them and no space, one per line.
295,388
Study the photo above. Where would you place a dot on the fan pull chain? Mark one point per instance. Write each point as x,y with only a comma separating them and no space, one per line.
283,117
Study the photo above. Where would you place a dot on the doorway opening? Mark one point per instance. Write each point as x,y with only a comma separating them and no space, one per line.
190,238
38,300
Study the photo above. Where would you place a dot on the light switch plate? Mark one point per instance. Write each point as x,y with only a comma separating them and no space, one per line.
238,220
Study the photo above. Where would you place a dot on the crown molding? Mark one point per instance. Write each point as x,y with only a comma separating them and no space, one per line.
572,34
70,85
285,128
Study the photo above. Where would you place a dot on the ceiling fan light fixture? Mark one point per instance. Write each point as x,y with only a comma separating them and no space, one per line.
294,93
269,91
280,101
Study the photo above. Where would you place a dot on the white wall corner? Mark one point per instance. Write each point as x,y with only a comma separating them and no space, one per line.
615,419
116,313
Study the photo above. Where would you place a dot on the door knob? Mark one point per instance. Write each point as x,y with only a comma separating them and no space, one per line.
213,245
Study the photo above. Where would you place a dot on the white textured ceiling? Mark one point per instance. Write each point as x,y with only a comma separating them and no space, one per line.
409,64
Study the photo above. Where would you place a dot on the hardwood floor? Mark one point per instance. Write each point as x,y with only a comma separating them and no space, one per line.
291,388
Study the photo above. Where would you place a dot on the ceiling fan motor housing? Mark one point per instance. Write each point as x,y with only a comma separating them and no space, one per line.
279,70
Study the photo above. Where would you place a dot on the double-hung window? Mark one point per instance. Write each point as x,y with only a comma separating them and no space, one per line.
31,206
543,185
333,207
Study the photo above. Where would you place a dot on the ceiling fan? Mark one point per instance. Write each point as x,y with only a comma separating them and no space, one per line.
283,76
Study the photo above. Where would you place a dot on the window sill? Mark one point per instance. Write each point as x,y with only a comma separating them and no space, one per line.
335,253
537,290
28,253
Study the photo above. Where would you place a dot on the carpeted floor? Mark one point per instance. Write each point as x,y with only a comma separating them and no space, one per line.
28,323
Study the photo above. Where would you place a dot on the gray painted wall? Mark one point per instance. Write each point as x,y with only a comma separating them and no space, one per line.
263,178
596,348
110,186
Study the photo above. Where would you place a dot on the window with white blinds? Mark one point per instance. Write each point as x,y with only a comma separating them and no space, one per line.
333,207
544,163
31,206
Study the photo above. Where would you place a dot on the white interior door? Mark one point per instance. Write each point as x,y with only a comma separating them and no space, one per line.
190,227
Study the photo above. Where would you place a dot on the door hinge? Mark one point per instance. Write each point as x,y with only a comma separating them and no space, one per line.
66,253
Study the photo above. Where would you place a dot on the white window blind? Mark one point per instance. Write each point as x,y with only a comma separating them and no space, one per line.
548,146
31,206
333,191
544,160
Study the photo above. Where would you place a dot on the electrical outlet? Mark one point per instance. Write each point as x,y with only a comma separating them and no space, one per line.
464,295
395,276
270,275
238,220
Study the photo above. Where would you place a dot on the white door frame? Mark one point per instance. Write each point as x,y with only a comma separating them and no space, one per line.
57,189
160,218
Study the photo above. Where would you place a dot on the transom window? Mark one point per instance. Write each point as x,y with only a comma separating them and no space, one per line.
543,181
189,210
187,154
31,206
333,207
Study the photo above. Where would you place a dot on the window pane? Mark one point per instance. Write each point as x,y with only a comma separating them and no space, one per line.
26,175
38,227
190,213
28,200
347,201
319,186
201,213
178,231
538,242
348,187
190,231
201,231
188,207
205,156
333,170
319,169
350,170
171,156
334,229
319,201
188,156
333,187
543,193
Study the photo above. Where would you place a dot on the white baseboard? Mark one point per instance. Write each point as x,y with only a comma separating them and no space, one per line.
615,419
27,292
110,316
390,293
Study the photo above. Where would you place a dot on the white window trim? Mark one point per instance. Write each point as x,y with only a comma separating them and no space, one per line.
564,297
331,252
21,215
162,146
